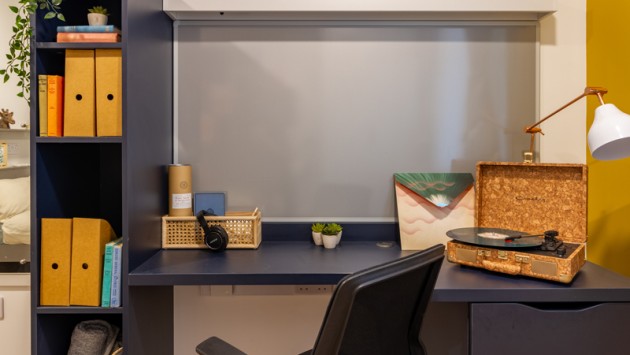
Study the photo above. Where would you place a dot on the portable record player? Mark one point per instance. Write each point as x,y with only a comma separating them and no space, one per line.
530,220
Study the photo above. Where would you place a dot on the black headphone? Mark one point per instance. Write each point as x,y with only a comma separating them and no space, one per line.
215,237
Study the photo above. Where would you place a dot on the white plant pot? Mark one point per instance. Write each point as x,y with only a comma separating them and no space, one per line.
97,19
317,238
330,241
339,237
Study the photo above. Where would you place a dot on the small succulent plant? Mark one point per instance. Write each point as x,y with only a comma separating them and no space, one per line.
98,10
317,227
332,229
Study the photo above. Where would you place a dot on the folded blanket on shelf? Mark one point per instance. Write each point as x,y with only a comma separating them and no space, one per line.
93,337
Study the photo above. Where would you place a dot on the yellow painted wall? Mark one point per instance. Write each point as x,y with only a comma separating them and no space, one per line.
608,65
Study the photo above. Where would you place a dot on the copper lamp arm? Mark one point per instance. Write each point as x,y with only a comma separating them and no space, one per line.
588,91
599,91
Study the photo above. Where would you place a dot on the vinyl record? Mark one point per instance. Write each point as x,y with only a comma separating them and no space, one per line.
495,237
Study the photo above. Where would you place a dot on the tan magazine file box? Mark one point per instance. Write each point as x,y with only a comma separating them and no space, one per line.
56,246
89,236
531,198
79,108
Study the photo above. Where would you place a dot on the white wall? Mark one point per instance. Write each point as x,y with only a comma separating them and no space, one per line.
562,77
9,90
263,324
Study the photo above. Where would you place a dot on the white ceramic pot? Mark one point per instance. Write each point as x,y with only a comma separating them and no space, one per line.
97,19
330,241
339,237
317,238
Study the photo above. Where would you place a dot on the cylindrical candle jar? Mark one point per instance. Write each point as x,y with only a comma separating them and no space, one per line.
180,190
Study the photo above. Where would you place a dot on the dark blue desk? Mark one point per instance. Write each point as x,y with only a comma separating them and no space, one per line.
273,263
592,313
283,263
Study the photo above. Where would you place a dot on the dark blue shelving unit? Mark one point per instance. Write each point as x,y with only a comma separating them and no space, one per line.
120,179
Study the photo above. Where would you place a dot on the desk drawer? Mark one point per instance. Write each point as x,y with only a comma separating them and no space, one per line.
513,328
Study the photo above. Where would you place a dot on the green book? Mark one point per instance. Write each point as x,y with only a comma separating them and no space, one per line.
107,272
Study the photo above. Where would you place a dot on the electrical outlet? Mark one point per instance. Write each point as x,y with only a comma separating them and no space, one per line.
313,289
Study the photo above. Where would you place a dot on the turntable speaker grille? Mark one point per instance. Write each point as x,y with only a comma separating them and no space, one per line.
468,255
544,267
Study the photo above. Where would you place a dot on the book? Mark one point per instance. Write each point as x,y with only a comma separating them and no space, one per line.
55,106
116,272
4,155
87,37
42,90
107,272
89,29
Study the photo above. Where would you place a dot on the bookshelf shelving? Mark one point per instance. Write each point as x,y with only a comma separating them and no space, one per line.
120,179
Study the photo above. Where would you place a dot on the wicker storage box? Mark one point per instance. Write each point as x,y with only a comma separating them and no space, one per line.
243,229
531,198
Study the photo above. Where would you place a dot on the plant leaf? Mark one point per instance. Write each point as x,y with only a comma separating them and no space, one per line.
61,17
49,15
6,77
14,9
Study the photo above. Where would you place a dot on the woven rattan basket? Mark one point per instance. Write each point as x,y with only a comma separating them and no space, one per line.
243,228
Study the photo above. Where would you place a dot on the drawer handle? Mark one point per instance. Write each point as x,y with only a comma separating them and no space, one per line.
501,267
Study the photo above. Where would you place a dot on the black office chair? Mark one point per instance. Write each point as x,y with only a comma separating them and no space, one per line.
377,311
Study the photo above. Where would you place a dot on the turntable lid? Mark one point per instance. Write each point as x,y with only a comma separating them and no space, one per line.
533,198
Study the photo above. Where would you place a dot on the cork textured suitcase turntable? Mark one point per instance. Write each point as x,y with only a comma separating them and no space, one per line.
531,220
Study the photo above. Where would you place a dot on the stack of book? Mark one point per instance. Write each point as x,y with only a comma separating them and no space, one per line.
110,291
85,33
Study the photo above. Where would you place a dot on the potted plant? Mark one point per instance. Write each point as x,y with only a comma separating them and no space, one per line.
97,16
316,232
330,235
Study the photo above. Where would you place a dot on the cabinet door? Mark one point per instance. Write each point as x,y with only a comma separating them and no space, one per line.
515,329
15,318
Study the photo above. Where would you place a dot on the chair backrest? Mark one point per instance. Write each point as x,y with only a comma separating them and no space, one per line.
380,310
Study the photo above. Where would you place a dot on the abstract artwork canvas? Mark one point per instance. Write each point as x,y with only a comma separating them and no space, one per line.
430,204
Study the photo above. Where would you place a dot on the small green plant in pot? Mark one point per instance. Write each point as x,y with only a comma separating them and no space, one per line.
316,231
97,16
331,234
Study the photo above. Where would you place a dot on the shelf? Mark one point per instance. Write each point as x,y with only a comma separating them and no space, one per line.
15,167
119,179
14,130
76,45
78,139
78,310
15,253
479,10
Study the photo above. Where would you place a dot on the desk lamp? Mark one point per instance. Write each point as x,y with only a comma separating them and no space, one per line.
609,136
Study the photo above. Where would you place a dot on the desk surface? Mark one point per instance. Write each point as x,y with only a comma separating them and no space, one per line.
282,263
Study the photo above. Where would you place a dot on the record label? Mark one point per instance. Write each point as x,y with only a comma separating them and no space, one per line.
495,237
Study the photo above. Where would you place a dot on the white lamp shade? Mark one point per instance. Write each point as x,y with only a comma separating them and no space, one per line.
609,137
